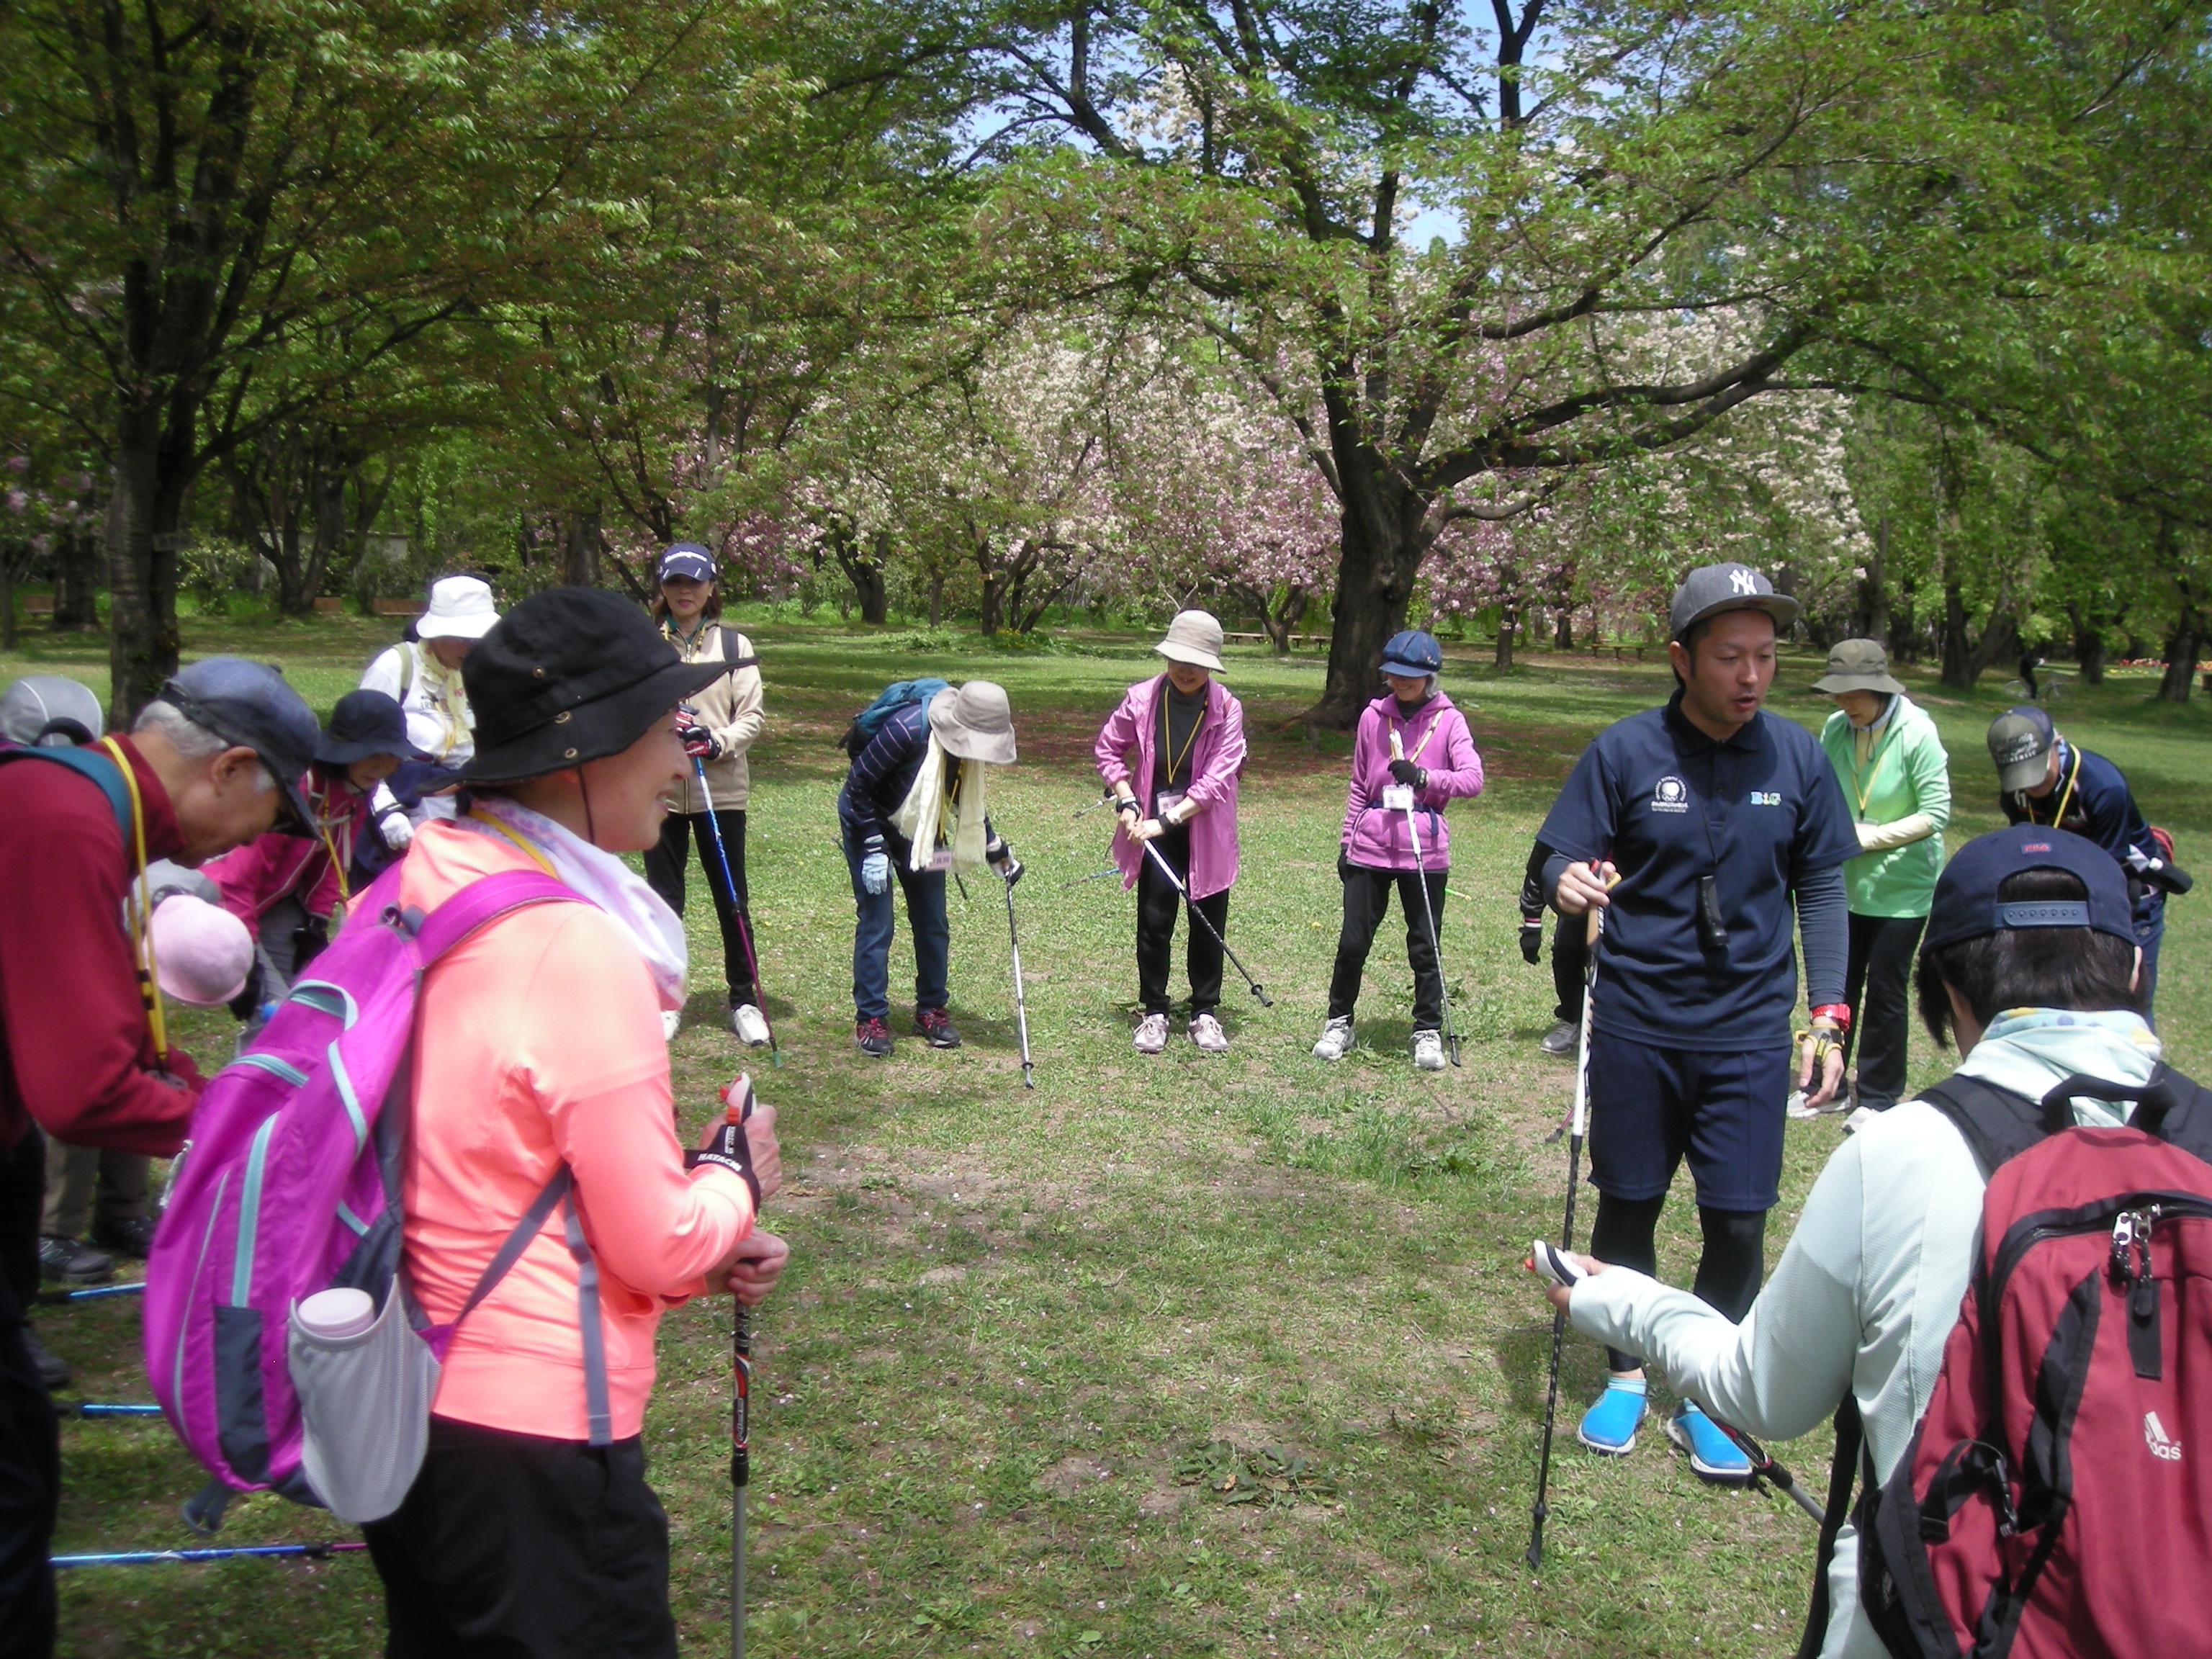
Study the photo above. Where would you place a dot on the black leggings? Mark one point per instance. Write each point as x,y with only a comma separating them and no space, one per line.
1366,902
1158,903
665,865
1730,1267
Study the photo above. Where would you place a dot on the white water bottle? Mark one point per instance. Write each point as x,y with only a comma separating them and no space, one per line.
334,1318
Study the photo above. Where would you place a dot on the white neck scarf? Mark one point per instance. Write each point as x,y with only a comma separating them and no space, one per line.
607,881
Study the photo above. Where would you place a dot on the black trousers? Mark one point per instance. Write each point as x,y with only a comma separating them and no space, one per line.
1158,902
1569,961
1729,1266
30,1486
1876,985
665,864
516,1547
1366,902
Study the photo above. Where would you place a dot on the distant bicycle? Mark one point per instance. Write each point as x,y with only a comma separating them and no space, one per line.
2053,689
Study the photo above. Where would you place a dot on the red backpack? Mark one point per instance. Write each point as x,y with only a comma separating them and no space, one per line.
2056,1501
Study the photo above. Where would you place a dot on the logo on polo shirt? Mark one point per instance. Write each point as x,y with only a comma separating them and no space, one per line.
1670,795
1766,798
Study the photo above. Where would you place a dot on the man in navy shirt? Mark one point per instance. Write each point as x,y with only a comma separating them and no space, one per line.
924,766
2043,779
1724,825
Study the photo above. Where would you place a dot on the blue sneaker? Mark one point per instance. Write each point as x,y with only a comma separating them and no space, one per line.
1713,1455
1608,1427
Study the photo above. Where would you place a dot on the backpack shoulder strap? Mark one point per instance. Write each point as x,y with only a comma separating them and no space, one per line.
91,764
1996,1123
732,644
1842,1470
482,901
2169,1105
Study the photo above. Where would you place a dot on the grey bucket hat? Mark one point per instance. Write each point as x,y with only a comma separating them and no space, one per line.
1712,588
975,721
1858,666
1194,637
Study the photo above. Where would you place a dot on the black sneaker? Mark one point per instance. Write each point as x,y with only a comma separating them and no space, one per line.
73,1261
936,1025
133,1235
53,1369
872,1036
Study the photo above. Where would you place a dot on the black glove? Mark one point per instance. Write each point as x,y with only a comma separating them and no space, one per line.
249,995
1532,940
699,743
1000,857
1405,772
729,1150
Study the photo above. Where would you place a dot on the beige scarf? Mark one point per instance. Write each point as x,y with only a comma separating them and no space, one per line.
955,823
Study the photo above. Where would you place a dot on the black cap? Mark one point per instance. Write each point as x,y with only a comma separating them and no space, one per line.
365,723
570,675
250,704
1966,905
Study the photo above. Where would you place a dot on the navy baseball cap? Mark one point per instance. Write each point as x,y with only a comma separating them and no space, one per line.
688,560
250,705
1711,589
1966,905
1411,652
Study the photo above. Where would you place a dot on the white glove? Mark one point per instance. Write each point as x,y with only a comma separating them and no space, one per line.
398,830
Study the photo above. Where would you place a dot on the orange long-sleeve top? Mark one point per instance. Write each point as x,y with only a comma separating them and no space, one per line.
540,1042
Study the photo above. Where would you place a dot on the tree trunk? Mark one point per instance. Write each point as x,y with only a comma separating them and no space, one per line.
2088,643
1563,633
8,599
579,549
142,642
1965,660
1867,618
2181,646
77,579
1508,624
1384,538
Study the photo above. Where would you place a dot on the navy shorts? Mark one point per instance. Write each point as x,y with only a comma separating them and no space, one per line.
1651,1107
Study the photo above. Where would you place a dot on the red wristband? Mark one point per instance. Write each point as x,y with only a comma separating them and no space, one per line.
1838,1011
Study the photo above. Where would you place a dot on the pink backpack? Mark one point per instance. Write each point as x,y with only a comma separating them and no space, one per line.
290,1185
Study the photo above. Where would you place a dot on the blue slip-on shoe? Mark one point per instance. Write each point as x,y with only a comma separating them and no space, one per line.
1713,1455
1608,1427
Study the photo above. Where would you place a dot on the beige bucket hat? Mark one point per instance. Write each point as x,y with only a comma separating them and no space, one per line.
1858,665
975,721
1194,637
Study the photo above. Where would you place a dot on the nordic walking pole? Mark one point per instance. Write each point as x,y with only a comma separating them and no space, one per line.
737,911
1763,1467
1428,905
1021,1003
1578,1125
1206,922
155,1558
741,1405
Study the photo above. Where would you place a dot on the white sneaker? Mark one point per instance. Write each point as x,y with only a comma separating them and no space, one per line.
670,1019
1336,1038
1428,1051
1858,1120
1797,1107
1206,1031
1151,1033
749,1024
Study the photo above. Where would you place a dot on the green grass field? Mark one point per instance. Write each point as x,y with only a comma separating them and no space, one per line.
1173,1356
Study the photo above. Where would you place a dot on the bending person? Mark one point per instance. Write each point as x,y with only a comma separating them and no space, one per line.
537,1045
423,674
1186,734
1727,831
1890,761
724,717
1375,855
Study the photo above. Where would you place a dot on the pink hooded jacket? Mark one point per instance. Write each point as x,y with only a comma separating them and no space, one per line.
1436,740
278,866
1216,761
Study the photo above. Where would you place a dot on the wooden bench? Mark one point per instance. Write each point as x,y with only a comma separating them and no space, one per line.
37,605
398,607
328,607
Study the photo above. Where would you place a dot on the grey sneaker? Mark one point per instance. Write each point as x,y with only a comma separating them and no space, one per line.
1336,1038
1206,1031
53,1369
1561,1038
1428,1051
749,1024
1151,1033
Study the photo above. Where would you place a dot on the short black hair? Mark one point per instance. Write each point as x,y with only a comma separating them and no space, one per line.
2077,967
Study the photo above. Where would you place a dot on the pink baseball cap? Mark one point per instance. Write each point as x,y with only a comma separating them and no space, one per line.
200,951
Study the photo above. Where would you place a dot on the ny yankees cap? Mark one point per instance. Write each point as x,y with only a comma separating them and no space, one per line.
2020,743
1966,905
1712,588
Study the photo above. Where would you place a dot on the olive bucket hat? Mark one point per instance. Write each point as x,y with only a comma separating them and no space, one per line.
1858,666
570,675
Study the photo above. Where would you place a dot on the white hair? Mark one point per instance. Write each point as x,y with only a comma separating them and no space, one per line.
193,742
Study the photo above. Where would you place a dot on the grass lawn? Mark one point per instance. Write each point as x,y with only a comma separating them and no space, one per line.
1173,1356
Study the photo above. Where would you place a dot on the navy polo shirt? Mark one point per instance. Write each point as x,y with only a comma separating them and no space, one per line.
1669,806
2101,807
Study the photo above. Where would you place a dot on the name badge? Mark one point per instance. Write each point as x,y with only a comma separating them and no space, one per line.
940,861
1169,802
1397,797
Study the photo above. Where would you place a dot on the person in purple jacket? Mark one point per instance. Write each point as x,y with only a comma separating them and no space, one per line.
1377,852
1187,734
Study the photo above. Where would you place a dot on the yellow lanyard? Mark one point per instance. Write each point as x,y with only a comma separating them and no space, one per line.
2064,795
338,864
1874,758
149,988
1175,761
536,857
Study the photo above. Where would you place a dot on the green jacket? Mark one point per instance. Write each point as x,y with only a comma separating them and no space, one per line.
1898,788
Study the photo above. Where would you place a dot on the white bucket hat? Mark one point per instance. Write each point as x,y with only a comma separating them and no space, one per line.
1194,637
975,721
461,608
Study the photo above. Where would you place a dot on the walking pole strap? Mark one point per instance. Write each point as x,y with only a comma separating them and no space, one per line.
1850,1440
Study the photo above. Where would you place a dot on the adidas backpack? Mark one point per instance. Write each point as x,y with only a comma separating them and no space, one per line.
2055,1499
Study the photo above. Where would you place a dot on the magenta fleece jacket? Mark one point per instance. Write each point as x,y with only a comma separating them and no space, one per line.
1216,763
1436,740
